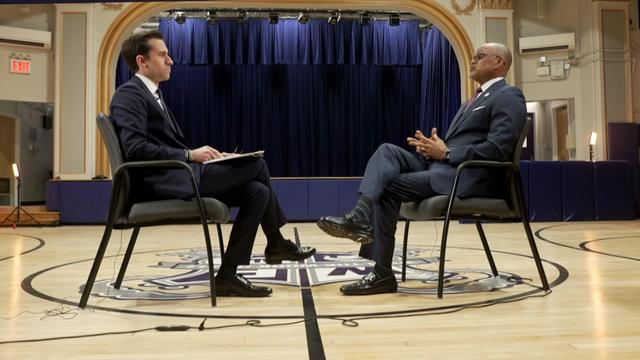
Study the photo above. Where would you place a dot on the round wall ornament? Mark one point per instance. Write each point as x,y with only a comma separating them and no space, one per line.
464,9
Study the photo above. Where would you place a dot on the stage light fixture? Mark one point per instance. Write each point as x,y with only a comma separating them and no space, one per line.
365,18
242,16
273,18
181,17
394,19
18,208
334,18
212,17
303,17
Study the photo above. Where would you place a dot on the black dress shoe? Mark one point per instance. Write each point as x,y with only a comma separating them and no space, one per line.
287,250
344,227
239,286
371,284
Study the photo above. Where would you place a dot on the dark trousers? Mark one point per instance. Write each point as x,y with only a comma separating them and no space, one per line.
247,185
392,176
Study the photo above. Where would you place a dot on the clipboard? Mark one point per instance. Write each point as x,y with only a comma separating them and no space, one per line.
232,157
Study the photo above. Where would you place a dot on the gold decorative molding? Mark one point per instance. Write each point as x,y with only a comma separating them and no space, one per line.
464,10
496,4
134,13
113,6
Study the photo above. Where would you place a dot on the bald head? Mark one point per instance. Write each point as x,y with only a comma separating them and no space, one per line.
490,61
503,52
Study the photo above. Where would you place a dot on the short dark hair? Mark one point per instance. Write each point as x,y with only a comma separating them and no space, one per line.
138,44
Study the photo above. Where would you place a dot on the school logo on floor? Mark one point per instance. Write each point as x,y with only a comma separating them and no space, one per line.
191,278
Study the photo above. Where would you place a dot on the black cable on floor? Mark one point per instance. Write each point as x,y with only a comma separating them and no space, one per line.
348,322
161,328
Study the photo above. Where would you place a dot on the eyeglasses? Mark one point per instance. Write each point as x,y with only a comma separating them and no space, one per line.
479,56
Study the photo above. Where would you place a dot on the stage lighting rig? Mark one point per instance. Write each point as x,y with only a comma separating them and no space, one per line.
211,17
303,17
334,18
181,17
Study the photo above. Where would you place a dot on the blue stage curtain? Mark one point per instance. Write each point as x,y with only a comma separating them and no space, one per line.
319,98
440,93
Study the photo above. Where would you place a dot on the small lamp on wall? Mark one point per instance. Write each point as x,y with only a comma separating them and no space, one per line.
592,142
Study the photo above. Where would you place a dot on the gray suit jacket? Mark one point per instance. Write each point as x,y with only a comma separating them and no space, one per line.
488,130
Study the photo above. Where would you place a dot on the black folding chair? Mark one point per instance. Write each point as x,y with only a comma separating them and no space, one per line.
127,213
509,207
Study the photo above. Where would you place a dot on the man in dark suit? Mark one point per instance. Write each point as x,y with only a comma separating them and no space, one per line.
149,131
486,128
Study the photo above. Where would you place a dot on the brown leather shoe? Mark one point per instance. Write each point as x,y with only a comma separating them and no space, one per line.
344,227
239,286
371,284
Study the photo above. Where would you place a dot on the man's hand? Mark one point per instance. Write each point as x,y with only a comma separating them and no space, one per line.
204,153
418,142
432,147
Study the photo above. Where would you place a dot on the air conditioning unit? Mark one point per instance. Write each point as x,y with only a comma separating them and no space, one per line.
547,43
14,36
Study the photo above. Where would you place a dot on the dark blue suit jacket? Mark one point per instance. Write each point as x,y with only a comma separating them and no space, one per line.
146,134
488,130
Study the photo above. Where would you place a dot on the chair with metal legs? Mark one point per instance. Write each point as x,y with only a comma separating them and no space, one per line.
509,207
125,213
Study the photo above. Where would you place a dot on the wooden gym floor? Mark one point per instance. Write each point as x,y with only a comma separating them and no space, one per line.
593,311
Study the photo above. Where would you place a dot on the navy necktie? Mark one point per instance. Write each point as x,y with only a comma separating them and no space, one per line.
173,125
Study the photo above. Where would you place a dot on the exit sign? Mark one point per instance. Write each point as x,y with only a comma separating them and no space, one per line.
20,66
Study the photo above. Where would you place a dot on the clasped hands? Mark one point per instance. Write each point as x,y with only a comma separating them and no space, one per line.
206,152
431,147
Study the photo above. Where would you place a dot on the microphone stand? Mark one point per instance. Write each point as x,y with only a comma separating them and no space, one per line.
18,209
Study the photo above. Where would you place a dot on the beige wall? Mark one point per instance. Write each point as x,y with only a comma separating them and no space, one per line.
33,146
37,87
7,134
36,17
584,81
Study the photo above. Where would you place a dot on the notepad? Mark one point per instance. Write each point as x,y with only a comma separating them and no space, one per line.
230,157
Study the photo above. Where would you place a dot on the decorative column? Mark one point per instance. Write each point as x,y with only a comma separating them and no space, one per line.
496,25
611,59
74,73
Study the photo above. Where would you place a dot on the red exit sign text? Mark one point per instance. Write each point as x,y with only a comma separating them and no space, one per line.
20,66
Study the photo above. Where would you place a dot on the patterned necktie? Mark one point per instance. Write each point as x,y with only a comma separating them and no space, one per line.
173,125
472,100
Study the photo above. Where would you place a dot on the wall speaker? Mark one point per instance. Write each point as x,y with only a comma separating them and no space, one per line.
47,122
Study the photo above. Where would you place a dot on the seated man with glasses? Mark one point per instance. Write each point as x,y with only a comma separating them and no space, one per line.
486,127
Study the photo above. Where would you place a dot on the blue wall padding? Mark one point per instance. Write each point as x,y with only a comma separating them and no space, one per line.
324,197
613,190
82,202
635,169
348,191
554,191
578,201
293,197
53,195
623,141
545,191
